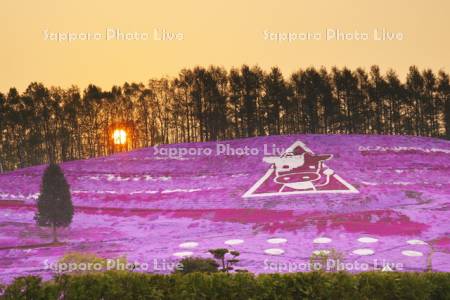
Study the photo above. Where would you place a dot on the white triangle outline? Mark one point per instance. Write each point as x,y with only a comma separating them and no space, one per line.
387,268
250,192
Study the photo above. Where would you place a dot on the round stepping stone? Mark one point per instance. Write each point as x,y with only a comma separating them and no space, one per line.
188,245
363,252
274,251
322,240
367,240
234,242
277,241
321,252
183,254
412,253
417,242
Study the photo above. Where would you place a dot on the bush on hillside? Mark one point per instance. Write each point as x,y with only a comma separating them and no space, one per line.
84,262
197,264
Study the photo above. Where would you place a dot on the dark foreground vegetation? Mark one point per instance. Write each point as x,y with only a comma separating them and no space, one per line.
51,124
316,285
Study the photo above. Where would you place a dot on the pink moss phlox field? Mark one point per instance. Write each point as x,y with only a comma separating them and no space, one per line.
143,205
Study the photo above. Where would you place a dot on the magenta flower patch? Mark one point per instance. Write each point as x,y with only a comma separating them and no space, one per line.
159,206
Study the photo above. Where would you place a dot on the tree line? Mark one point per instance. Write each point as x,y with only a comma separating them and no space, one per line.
52,124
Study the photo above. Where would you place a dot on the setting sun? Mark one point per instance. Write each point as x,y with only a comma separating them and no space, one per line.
119,137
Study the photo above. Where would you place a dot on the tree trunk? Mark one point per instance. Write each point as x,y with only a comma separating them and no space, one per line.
447,117
55,238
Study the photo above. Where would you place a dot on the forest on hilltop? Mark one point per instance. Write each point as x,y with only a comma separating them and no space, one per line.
45,124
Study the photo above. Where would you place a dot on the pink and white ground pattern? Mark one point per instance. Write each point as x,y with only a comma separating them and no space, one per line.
152,207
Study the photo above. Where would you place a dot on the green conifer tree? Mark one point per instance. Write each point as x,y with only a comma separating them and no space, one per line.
54,204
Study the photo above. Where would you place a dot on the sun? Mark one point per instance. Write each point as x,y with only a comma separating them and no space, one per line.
119,137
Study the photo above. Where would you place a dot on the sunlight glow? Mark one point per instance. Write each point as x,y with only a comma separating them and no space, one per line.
119,137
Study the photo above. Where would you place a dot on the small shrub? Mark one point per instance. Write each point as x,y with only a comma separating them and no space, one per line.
25,288
227,264
83,262
325,261
198,264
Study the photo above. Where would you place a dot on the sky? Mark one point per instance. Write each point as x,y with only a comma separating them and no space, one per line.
224,33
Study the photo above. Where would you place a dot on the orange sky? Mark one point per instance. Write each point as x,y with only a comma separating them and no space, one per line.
227,33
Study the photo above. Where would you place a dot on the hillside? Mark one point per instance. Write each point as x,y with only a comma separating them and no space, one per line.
379,199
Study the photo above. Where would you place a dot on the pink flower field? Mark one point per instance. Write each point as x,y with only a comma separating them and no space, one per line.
387,203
